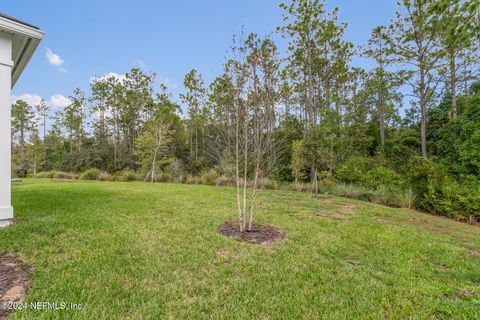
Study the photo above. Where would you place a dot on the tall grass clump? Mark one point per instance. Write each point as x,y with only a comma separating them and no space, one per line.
90,174
406,199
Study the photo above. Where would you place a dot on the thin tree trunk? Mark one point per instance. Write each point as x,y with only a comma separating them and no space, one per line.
245,168
423,112
35,164
254,198
382,107
237,164
44,134
22,147
453,84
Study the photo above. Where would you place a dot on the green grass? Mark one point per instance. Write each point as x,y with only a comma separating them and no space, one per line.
152,251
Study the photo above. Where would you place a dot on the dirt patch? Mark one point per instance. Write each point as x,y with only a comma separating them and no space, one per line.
14,282
348,209
338,210
264,235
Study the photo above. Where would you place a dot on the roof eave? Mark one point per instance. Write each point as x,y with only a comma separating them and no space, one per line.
31,38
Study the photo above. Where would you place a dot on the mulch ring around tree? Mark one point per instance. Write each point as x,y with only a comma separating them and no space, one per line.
264,235
14,282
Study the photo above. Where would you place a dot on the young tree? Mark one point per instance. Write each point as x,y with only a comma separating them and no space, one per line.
297,163
253,74
36,152
382,84
135,103
152,143
195,98
74,119
22,124
43,109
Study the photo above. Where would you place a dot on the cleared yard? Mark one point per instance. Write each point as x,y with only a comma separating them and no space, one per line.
151,251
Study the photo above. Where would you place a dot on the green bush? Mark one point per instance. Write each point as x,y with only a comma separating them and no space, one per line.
90,174
225,181
164,177
56,175
104,176
193,180
381,176
470,203
353,170
327,181
426,179
269,184
46,175
461,201
209,177
345,190
65,175
127,175
405,198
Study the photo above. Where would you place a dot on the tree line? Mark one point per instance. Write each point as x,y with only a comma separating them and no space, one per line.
407,128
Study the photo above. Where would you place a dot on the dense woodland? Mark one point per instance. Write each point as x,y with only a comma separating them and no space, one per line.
404,133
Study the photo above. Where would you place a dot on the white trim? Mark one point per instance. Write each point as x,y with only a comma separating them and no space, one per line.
22,63
6,213
5,223
30,39
19,28
7,63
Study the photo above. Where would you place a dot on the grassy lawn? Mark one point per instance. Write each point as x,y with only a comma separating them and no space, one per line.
152,251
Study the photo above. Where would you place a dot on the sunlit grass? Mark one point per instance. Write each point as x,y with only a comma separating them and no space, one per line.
152,251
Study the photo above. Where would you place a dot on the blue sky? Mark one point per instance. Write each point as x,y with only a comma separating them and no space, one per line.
95,37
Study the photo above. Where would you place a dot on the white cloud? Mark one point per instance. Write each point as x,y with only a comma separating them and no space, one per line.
31,99
117,76
56,101
54,58
59,101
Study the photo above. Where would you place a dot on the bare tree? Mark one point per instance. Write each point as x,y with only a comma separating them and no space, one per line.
247,134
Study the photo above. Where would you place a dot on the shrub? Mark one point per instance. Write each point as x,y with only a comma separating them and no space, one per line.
426,179
353,170
128,175
302,187
384,195
125,175
178,179
90,174
345,190
174,172
381,176
470,203
327,181
406,199
104,176
225,181
193,180
461,201
46,174
209,177
265,183
164,177
65,175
